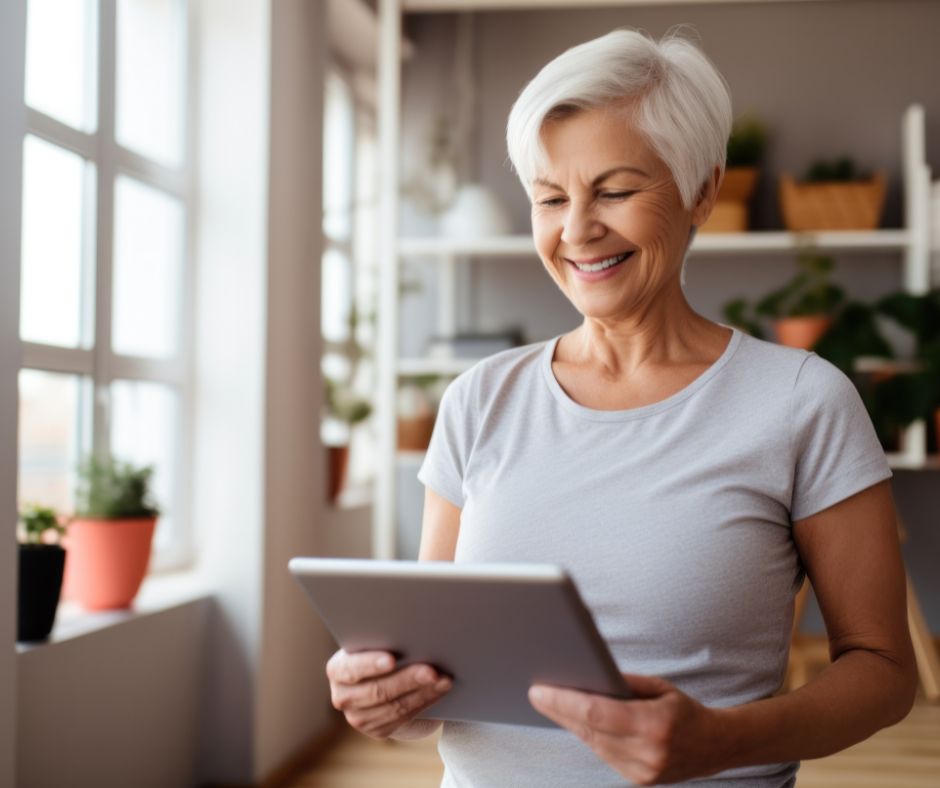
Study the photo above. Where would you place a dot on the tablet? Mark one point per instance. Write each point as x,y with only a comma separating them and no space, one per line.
496,629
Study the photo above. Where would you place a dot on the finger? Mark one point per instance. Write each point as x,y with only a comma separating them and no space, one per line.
387,718
346,668
648,686
383,690
574,709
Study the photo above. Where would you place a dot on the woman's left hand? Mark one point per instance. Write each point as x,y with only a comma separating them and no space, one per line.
659,736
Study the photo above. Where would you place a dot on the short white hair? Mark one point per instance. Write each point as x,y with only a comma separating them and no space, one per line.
681,104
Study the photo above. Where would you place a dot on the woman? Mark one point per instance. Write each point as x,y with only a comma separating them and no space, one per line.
685,474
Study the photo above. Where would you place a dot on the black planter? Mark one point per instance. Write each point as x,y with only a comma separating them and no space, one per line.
41,568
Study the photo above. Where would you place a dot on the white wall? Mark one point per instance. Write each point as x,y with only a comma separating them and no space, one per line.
293,697
12,127
228,417
114,708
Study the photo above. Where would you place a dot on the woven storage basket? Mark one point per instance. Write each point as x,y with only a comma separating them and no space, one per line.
730,212
832,205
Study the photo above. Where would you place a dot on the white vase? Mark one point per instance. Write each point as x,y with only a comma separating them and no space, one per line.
475,212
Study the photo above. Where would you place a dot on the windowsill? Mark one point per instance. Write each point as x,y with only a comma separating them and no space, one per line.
159,593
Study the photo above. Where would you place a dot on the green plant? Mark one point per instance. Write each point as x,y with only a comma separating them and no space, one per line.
114,490
37,521
344,405
840,169
747,142
918,393
809,292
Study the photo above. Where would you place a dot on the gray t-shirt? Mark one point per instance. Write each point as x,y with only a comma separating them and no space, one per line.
674,520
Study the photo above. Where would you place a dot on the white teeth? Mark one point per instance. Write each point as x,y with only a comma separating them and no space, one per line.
603,264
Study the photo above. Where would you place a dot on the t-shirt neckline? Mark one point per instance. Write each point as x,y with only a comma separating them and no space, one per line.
633,413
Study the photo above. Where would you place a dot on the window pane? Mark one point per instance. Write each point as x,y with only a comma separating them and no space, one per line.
148,252
151,95
60,56
54,421
144,430
337,295
338,141
54,189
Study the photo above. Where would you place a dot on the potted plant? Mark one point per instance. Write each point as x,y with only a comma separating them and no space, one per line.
344,406
915,395
745,150
802,310
417,409
42,561
110,537
832,196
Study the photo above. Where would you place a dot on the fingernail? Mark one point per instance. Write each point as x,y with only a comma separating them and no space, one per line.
536,694
443,684
426,677
383,663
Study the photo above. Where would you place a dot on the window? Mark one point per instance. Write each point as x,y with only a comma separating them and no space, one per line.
350,274
105,252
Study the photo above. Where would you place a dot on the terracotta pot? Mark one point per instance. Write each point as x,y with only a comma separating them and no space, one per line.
338,457
107,561
415,434
802,332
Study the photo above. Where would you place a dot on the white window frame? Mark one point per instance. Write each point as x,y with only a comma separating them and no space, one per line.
100,364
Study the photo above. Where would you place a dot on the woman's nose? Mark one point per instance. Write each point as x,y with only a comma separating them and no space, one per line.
581,226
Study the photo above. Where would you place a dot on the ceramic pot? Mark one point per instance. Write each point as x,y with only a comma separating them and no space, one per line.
108,560
802,332
338,464
40,582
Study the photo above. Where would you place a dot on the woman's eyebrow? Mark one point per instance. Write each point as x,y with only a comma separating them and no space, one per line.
614,170
599,179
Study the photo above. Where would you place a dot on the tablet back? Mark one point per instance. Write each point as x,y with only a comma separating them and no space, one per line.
495,628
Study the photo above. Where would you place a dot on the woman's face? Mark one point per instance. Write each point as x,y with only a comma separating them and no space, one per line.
607,218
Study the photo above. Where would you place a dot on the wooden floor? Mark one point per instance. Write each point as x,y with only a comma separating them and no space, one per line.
905,756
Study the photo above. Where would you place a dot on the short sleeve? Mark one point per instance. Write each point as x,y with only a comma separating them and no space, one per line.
449,451
837,452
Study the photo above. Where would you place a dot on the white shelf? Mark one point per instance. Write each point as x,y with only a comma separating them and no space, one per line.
705,244
434,366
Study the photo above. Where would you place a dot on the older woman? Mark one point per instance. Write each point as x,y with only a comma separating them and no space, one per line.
686,475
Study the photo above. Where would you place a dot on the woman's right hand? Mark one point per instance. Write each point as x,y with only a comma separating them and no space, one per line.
377,699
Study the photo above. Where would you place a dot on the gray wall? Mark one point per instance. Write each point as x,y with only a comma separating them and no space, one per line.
12,127
827,78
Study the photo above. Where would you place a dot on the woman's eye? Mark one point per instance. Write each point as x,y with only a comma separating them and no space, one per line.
551,202
616,195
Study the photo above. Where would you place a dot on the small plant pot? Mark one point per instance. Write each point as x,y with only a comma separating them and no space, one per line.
108,560
338,459
40,583
802,332
415,434
729,214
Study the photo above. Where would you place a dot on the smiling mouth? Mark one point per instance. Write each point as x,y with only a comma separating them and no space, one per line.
602,265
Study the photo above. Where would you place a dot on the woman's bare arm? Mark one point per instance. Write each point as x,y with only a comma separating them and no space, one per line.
439,528
853,560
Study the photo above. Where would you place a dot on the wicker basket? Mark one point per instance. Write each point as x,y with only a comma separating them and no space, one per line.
832,205
729,214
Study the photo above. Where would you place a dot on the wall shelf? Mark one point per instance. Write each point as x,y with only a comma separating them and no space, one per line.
704,244
911,244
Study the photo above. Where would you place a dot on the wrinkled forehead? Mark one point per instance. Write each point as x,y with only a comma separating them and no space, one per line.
579,143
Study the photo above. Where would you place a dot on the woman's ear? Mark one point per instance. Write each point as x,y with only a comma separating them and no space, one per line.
707,195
